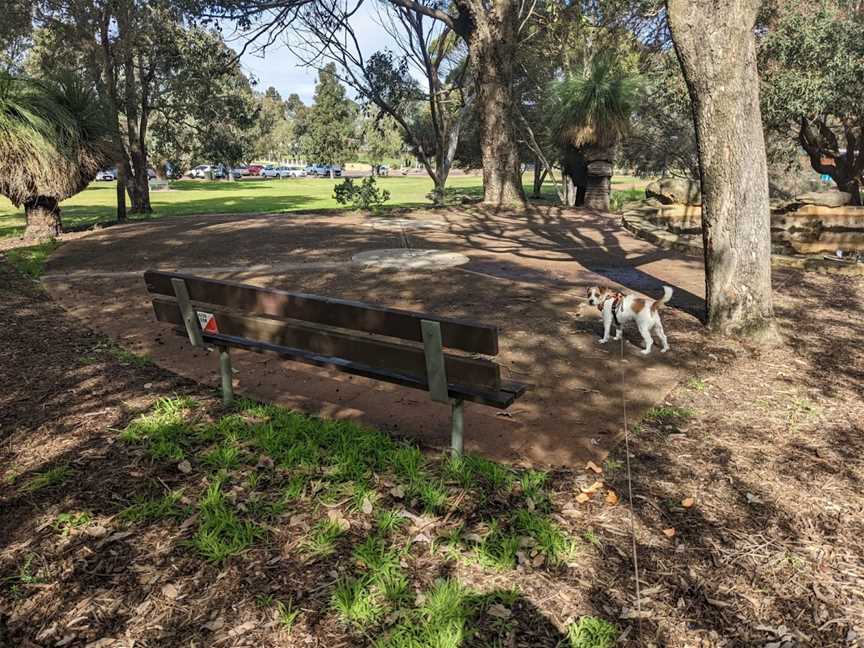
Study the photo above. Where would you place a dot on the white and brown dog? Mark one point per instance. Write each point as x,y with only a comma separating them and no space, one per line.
618,309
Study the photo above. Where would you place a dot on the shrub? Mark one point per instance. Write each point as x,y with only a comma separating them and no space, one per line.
366,195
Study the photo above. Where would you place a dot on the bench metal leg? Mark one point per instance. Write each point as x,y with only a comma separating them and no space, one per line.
227,376
457,425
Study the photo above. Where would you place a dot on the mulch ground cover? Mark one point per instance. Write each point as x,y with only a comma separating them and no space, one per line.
135,510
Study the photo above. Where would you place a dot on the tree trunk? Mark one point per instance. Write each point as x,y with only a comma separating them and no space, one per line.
717,51
539,177
492,46
121,200
43,219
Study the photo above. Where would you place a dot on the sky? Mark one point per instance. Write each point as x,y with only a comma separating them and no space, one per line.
281,69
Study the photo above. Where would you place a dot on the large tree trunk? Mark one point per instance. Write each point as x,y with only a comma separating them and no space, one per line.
492,46
43,219
717,51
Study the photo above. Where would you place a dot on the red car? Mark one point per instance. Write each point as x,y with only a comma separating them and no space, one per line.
254,169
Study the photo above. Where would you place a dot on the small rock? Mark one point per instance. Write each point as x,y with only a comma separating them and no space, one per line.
184,467
96,531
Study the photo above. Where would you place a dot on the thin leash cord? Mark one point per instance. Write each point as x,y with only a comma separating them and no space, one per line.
630,494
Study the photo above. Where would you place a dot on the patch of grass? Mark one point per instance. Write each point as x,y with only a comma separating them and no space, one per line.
696,384
668,414
439,622
322,538
31,260
476,472
159,508
356,602
47,479
128,358
620,197
592,632
431,494
165,430
26,574
286,615
390,520
591,538
612,466
224,457
220,532
498,549
551,540
65,523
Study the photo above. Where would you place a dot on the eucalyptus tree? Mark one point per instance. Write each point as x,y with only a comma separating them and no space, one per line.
53,141
716,47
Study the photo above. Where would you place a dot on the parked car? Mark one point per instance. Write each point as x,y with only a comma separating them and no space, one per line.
107,175
151,174
216,171
292,172
383,170
254,169
323,170
239,172
269,171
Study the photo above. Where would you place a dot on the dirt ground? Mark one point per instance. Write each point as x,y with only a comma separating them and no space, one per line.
748,507
532,270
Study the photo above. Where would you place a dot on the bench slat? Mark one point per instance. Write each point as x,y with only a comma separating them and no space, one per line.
456,334
500,399
378,354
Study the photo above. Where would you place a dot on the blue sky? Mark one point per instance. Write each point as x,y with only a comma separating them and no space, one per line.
282,70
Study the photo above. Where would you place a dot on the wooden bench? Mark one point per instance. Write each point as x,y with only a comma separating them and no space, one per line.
396,346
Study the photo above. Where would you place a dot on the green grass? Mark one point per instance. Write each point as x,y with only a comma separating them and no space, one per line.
286,615
97,203
592,632
46,479
668,414
29,260
152,509
622,196
322,538
221,533
129,358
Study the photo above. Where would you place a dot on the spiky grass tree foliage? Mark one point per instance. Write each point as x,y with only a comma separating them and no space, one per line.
589,115
53,141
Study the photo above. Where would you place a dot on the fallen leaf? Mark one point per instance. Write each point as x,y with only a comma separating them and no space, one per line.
669,533
593,488
687,502
170,591
612,498
538,561
184,467
398,492
582,498
499,611
215,624
366,507
242,629
96,531
297,519
592,466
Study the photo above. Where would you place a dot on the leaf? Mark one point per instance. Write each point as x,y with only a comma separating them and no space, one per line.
96,531
593,488
398,492
499,611
170,591
582,498
366,507
592,466
669,533
688,502
612,498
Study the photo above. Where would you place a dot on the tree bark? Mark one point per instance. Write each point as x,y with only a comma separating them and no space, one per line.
43,219
492,44
717,51
121,200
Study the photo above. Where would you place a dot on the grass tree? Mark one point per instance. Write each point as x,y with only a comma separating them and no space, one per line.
52,144
590,115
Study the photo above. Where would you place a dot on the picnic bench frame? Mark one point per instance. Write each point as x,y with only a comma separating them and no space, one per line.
402,347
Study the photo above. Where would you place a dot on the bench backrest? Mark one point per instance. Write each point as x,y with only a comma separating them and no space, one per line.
382,339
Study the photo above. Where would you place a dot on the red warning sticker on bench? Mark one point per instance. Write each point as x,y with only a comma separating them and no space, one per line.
208,322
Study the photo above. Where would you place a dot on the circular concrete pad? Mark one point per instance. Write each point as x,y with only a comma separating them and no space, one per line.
404,259
397,224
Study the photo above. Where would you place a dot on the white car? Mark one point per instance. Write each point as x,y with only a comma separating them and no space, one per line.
107,175
208,170
269,171
291,172
383,170
324,170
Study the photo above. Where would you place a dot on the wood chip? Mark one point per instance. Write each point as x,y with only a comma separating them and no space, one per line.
688,502
170,591
592,466
582,498
669,533
593,488
612,498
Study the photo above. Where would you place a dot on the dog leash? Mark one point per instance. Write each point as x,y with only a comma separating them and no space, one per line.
630,493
